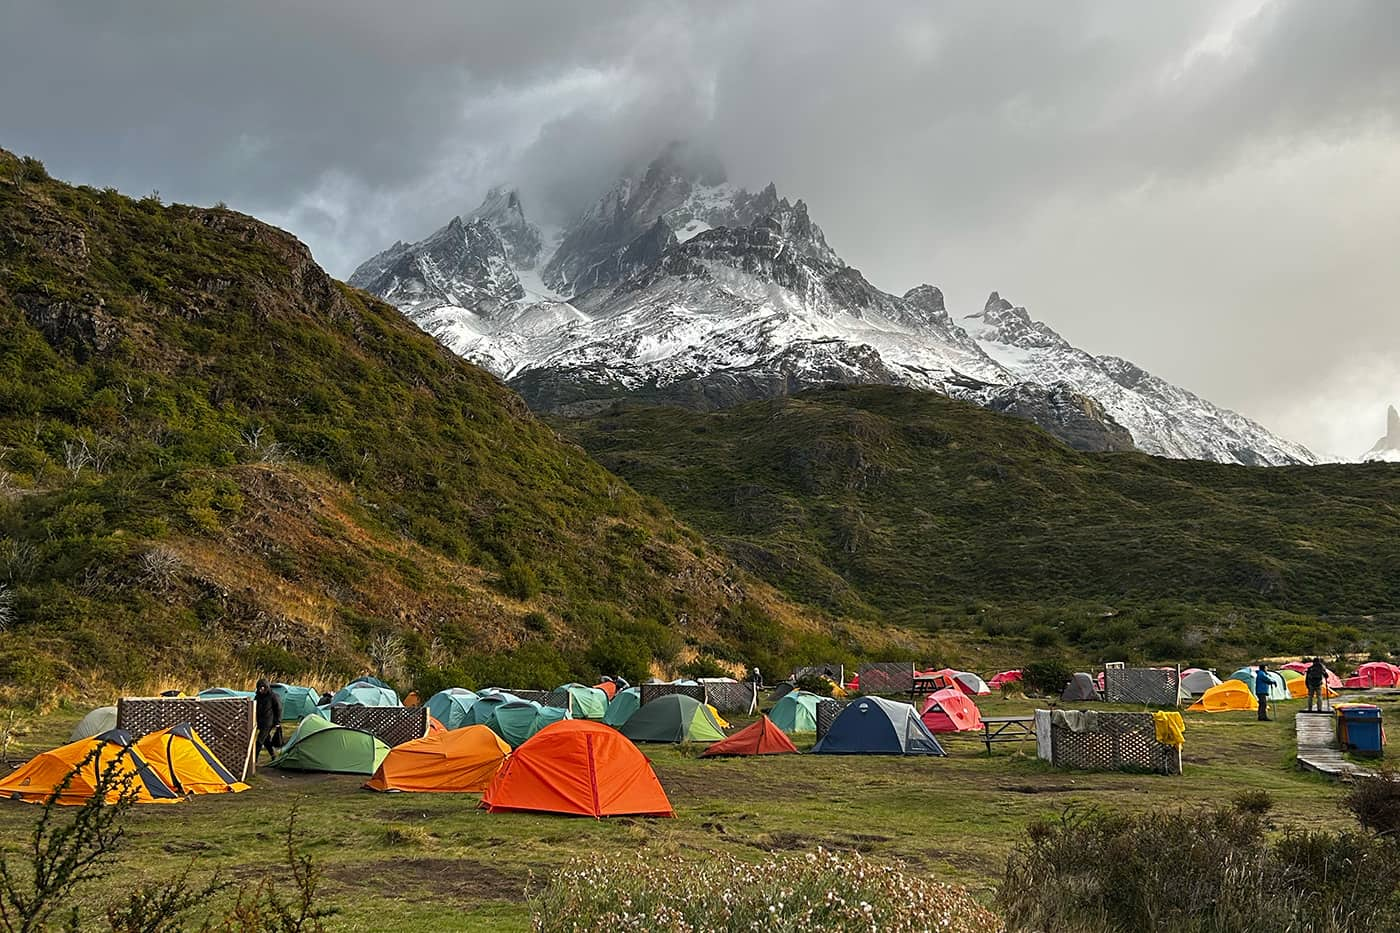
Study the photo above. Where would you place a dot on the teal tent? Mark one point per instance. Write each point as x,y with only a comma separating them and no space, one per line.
360,693
452,707
517,720
623,706
485,705
1278,687
296,701
796,712
582,701
673,718
220,693
876,726
321,745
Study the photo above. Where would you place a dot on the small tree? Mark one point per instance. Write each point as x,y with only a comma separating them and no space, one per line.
1046,677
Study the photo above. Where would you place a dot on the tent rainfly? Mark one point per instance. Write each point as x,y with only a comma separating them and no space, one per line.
110,756
458,761
321,745
672,718
1081,687
579,768
297,702
1229,695
760,738
876,726
452,707
623,705
950,710
797,712
103,719
186,764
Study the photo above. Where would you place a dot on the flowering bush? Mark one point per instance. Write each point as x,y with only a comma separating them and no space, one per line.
817,891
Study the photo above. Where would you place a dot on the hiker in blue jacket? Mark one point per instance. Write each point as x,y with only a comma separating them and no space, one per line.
1262,684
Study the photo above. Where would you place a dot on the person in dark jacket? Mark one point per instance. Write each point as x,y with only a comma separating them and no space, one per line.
1315,678
268,706
1262,683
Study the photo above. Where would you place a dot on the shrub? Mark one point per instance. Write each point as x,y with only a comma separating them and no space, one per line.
817,891
704,666
1375,803
1046,677
1257,802
1090,870
520,580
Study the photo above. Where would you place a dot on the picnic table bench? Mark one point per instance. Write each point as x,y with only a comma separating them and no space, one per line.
1007,729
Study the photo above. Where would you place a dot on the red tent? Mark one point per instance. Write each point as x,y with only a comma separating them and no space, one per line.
1332,681
1374,674
949,710
578,767
1005,677
607,687
761,738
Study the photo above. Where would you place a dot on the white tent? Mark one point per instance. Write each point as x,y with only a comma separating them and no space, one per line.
1197,682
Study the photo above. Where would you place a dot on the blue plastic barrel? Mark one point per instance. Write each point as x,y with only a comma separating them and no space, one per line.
1359,729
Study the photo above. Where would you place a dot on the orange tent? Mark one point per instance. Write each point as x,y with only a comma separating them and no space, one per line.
579,767
186,764
607,687
458,761
761,738
88,760
1225,696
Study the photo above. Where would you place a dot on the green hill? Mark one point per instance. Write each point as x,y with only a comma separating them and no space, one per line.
216,460
914,509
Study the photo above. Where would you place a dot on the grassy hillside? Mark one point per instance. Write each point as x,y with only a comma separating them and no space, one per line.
908,507
216,460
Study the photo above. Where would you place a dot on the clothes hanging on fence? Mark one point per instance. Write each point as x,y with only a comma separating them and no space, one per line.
1171,729
1076,720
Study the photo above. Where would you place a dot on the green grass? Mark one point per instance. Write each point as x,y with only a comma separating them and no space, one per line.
935,515
462,868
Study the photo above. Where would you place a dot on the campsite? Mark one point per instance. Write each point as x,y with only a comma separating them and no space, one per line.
411,857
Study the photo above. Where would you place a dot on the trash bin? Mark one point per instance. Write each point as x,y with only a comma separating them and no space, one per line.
1359,729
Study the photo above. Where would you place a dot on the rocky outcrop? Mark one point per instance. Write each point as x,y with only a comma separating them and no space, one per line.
1387,449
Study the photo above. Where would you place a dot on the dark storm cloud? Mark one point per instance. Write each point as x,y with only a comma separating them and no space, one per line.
1193,185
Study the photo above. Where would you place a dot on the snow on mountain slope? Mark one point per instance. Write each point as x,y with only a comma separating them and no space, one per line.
1164,419
677,285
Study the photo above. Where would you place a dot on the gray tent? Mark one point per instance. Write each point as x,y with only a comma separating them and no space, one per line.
1198,682
103,719
1082,687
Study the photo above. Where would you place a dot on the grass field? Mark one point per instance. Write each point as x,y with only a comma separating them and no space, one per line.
415,862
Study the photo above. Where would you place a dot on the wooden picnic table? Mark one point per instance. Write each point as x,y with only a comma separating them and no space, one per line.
1007,729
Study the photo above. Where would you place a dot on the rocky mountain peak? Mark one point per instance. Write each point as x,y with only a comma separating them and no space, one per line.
1388,447
502,209
1002,322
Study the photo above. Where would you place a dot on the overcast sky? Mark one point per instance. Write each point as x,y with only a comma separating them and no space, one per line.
1210,189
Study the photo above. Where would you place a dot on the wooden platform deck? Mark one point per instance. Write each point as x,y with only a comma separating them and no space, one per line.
1318,751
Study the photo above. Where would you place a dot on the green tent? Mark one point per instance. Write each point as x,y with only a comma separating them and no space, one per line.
673,718
221,693
361,693
582,701
297,702
796,712
518,720
320,745
623,706
452,707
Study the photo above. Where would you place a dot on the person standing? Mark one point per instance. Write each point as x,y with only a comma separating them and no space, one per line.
268,708
1315,678
1262,683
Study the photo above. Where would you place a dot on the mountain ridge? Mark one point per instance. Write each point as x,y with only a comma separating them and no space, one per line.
678,285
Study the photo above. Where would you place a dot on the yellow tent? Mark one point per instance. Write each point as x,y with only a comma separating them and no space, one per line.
1226,696
1298,685
186,764
108,755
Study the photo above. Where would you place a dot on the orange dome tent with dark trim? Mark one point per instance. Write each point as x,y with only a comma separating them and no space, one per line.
460,761
761,738
578,767
186,764
109,755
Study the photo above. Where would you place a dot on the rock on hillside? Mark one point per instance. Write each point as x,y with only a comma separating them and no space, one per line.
1387,449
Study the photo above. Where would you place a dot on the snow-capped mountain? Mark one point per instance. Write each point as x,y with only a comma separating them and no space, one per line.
1387,449
678,286
1163,418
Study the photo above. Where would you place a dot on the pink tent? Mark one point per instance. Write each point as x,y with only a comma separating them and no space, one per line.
1005,677
1374,674
1333,680
948,710
968,683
